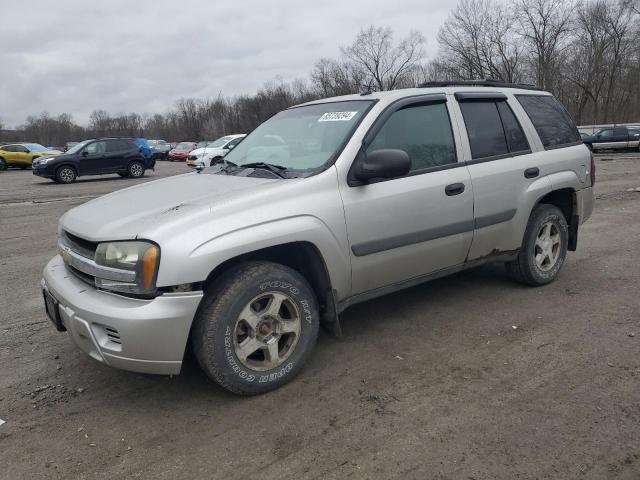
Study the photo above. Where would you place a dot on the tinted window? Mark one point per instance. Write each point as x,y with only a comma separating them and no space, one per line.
516,140
551,120
96,148
9,148
619,132
20,149
118,145
484,128
423,131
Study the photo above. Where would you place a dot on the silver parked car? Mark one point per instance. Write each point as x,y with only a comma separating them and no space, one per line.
324,205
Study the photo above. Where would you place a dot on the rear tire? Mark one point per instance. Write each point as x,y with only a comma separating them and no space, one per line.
214,160
256,327
544,248
66,174
3,164
135,169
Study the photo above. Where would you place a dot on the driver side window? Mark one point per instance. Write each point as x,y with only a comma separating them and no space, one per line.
21,149
606,133
423,131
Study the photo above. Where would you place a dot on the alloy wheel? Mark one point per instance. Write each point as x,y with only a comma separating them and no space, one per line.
267,331
547,246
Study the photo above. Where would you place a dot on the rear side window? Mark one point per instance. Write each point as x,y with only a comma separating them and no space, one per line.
619,132
119,145
484,128
9,148
552,122
516,140
423,131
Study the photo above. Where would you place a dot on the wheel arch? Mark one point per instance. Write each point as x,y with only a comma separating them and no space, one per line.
302,256
566,200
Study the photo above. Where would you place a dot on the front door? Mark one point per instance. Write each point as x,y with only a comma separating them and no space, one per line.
93,158
408,227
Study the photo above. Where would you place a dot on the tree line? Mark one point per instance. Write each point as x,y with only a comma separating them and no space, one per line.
586,52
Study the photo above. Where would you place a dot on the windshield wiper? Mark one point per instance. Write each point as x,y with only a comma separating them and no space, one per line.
277,169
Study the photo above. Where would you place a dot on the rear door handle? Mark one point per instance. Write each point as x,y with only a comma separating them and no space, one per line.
531,172
454,189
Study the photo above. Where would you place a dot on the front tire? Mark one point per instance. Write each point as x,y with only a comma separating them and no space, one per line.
256,327
135,169
66,174
544,248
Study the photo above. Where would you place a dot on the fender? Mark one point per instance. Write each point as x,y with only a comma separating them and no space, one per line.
204,258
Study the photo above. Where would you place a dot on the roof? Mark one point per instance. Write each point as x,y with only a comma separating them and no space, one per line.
437,87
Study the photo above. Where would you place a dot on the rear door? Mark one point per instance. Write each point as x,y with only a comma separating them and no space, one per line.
404,228
116,156
501,167
620,138
22,156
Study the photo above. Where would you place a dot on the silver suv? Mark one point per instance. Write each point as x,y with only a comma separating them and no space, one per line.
324,205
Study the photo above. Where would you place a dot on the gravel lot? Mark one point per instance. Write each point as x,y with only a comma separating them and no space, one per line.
467,377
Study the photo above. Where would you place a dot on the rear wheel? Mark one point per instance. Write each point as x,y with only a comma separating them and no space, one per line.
135,169
214,160
3,164
544,248
66,174
256,328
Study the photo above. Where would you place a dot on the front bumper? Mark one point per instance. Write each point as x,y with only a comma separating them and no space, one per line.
195,163
147,336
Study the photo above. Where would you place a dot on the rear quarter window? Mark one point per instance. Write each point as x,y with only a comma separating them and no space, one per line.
550,119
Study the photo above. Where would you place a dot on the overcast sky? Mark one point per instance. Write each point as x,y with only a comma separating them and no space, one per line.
140,56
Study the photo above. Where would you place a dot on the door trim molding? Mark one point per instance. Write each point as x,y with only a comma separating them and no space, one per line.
389,243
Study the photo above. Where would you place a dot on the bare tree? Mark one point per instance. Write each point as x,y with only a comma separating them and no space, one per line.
478,40
380,63
545,26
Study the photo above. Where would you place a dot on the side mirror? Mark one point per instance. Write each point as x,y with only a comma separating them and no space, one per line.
85,153
386,163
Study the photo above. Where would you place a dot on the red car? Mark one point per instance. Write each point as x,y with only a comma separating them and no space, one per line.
181,152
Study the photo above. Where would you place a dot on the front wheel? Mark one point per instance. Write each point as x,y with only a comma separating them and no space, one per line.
135,170
544,248
66,174
256,328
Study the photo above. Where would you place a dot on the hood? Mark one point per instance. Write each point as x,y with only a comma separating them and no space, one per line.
158,206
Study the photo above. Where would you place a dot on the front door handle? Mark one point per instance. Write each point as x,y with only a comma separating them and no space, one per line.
531,172
454,189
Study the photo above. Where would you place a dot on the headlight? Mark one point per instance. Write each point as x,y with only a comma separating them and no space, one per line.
139,257
42,161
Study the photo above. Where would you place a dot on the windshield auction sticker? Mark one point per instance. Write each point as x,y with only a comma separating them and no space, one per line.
337,116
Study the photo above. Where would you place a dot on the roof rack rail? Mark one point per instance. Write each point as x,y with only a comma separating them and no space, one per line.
485,82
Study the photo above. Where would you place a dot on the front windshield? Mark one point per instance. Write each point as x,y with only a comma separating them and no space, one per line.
301,138
36,147
78,146
153,143
184,146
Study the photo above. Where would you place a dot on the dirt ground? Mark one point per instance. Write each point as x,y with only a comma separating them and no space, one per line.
467,377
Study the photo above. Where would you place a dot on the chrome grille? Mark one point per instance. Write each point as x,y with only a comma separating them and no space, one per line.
79,245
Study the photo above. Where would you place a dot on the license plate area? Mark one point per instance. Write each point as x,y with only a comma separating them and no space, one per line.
53,310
